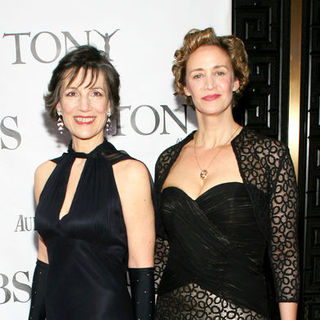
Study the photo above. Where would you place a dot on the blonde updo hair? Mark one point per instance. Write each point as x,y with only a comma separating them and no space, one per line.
195,39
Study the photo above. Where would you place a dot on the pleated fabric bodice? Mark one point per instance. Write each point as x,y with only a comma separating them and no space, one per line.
215,244
87,248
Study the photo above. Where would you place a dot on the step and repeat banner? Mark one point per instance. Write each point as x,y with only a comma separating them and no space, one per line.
140,37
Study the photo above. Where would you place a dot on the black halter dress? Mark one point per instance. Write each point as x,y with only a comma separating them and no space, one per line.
87,248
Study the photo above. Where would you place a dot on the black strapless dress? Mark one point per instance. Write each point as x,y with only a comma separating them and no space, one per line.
216,258
87,248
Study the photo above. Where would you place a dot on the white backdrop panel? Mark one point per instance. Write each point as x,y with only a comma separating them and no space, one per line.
141,37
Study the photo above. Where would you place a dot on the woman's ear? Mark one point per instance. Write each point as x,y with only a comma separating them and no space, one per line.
109,107
186,91
58,108
236,85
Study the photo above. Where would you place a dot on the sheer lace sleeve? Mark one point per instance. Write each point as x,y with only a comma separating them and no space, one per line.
161,258
162,245
283,249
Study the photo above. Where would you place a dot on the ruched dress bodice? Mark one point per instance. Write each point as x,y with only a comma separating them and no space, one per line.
87,248
215,264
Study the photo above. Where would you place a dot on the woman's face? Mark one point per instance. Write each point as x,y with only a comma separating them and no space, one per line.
84,106
210,80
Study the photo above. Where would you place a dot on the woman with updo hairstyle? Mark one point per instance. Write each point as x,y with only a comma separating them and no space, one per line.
94,212
227,199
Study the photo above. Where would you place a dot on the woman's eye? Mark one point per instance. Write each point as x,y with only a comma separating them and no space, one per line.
70,93
97,93
220,73
197,76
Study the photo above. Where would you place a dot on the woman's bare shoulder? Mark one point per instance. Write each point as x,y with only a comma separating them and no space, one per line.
45,169
41,176
132,168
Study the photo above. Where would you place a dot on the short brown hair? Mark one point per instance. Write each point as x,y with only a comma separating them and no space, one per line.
196,38
86,58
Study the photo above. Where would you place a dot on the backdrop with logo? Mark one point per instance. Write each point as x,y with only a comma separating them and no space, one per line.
140,37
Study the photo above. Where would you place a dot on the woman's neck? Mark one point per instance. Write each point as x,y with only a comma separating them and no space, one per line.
215,131
86,145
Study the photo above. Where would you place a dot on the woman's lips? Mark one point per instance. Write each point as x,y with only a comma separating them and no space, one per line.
84,120
211,97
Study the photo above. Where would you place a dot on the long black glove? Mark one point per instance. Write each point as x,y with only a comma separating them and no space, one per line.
142,292
39,284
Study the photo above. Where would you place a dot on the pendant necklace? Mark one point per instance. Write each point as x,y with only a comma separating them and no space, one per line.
204,172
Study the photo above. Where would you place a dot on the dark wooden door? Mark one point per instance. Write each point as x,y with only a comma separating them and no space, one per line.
309,158
264,26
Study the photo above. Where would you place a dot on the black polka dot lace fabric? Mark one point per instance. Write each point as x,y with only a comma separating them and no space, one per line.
184,292
192,302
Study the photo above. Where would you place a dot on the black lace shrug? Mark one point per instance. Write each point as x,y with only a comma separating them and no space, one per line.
268,174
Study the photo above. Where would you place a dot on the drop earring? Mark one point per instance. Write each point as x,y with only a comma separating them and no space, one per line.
108,123
60,124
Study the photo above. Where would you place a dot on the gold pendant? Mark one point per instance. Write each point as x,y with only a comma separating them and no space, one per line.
203,174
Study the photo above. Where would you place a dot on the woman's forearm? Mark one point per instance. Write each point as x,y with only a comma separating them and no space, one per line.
288,310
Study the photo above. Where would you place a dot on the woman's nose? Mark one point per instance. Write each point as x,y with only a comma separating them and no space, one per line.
84,103
210,82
